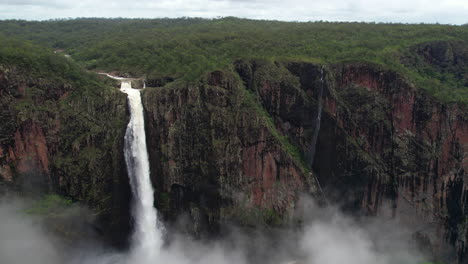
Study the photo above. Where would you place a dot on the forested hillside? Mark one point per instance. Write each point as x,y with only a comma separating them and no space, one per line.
186,48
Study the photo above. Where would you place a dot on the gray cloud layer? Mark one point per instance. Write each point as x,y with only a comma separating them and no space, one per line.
406,11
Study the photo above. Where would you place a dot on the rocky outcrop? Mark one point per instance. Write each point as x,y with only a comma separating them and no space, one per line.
216,156
441,56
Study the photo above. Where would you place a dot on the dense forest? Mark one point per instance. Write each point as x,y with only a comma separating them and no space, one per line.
185,48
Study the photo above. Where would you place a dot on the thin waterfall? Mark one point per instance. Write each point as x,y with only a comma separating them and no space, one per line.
147,237
317,121
316,133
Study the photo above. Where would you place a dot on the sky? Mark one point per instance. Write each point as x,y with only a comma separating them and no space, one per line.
404,11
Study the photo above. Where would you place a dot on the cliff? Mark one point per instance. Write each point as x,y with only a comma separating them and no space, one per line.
62,132
384,147
216,155
420,144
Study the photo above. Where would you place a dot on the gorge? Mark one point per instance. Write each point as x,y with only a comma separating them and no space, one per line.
250,158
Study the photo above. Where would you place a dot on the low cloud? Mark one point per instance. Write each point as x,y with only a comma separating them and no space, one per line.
327,236
23,240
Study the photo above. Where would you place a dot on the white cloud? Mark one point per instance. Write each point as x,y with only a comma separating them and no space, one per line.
409,11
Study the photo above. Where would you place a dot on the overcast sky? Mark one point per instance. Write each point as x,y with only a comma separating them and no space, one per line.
406,11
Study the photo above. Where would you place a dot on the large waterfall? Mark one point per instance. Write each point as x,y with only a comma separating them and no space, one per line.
147,237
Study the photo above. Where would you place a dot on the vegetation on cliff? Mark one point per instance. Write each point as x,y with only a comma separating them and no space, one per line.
62,130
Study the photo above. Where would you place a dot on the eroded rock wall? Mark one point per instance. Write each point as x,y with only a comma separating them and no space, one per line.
384,147
217,157
68,139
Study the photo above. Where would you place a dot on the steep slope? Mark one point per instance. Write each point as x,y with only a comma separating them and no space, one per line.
384,147
62,131
216,155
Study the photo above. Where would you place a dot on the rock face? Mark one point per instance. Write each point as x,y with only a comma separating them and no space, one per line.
236,147
384,147
29,156
217,157
59,137
421,147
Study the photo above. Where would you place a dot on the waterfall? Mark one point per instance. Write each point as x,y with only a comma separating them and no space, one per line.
315,135
317,121
147,236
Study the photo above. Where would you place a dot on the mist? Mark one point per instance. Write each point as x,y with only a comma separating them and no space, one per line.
326,235
22,239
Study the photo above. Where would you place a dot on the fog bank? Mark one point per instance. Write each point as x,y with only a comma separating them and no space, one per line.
326,236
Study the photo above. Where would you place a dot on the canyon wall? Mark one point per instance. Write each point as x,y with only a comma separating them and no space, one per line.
61,136
216,156
384,148
236,146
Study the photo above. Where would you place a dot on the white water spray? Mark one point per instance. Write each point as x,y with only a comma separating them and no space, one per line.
147,236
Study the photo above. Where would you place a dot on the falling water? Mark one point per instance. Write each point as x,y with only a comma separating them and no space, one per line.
147,237
315,135
317,121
